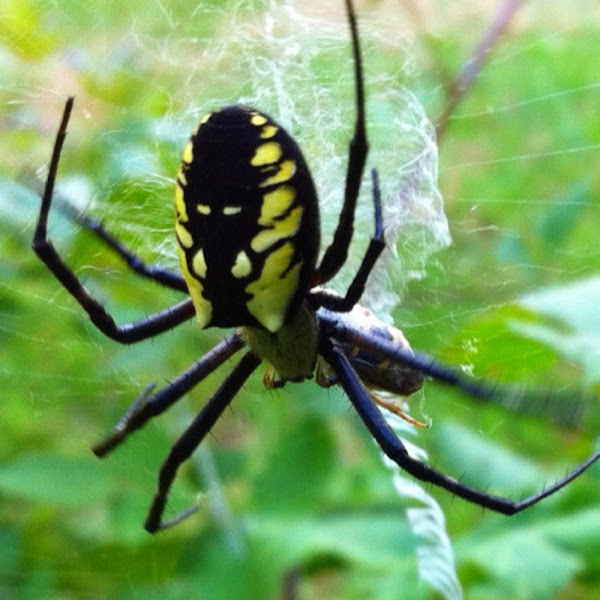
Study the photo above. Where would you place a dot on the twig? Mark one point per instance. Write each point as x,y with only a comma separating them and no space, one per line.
471,68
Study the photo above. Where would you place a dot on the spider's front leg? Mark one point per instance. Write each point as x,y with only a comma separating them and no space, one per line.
336,254
324,299
163,276
128,333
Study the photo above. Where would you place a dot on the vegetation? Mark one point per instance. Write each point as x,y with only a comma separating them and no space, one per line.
294,492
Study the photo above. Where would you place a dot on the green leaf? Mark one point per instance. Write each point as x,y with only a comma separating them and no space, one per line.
378,540
298,469
56,480
576,336
488,464
22,30
522,564
563,214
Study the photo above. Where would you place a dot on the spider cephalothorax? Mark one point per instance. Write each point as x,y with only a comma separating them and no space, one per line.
247,229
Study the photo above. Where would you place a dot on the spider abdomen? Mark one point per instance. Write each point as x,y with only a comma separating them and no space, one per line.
246,220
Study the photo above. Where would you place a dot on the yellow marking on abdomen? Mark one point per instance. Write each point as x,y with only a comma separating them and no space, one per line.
180,209
268,131
281,229
188,153
232,210
266,154
203,209
199,264
273,290
276,203
202,306
242,266
183,235
258,119
285,171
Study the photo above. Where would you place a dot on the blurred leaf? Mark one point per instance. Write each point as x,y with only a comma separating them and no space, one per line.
489,341
9,556
577,335
576,531
18,204
298,469
487,465
22,30
57,480
575,304
520,563
377,540
562,216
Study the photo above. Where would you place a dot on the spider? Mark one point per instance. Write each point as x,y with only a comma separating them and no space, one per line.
247,229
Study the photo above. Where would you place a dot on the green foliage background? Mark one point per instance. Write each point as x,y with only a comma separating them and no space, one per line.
293,484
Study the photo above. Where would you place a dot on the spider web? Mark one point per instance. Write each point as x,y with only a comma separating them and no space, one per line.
517,240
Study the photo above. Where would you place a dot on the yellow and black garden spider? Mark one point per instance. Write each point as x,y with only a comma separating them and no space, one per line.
247,228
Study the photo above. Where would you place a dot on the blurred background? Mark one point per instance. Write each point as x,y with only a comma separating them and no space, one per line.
295,501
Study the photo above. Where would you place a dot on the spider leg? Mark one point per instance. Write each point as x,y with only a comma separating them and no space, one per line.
339,330
325,299
192,437
162,276
392,446
148,405
515,397
336,254
125,334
